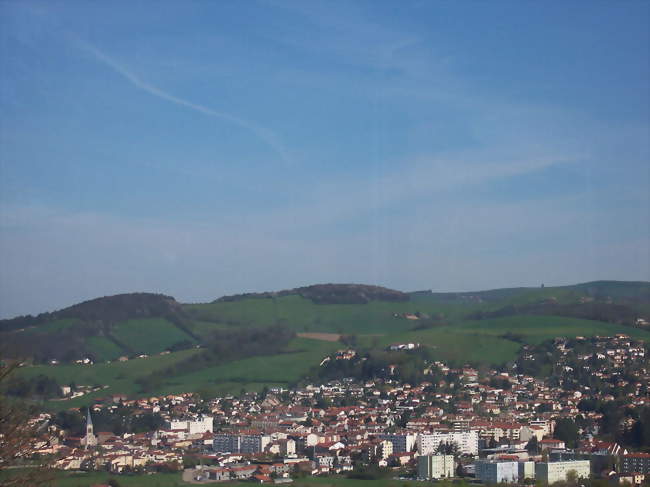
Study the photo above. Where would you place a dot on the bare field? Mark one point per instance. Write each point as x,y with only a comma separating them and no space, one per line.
327,337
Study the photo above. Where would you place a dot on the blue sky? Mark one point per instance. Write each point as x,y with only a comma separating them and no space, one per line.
205,148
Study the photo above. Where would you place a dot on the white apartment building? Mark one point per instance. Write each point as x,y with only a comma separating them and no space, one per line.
436,466
230,443
551,472
202,424
401,442
493,472
467,442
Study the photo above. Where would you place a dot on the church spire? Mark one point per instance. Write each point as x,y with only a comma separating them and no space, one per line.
90,439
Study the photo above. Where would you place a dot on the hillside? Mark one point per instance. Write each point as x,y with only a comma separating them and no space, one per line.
477,327
101,329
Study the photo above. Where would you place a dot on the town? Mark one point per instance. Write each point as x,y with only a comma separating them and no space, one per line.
588,420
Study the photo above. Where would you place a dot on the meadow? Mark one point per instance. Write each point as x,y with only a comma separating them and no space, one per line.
174,480
251,374
302,315
149,335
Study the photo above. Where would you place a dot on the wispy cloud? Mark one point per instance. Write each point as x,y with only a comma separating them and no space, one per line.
264,134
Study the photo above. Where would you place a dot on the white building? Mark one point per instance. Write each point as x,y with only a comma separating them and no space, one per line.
494,472
231,443
467,442
526,470
202,424
551,472
436,466
401,442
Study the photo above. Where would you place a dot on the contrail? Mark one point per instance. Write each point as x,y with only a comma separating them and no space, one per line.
262,133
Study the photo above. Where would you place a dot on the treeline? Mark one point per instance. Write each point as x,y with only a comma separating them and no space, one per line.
65,345
225,346
608,312
614,414
405,366
38,387
109,309
122,420
330,294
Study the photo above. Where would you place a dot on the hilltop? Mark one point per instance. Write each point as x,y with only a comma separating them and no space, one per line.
330,294
101,328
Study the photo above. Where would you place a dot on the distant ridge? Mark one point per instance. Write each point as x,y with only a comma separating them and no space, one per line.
105,309
107,328
630,291
330,294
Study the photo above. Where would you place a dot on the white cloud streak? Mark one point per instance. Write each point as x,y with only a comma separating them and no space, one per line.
262,133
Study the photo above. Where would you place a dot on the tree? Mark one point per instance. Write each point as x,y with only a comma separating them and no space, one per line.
533,446
447,448
572,477
567,431
17,440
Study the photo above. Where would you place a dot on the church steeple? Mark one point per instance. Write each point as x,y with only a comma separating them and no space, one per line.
89,423
90,439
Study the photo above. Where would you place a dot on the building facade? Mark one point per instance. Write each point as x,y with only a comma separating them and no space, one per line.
494,472
401,442
436,466
635,463
467,442
550,472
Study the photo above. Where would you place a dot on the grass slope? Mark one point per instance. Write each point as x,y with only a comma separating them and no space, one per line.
302,315
149,335
256,372
454,348
120,377
536,329
101,478
250,374
104,349
174,480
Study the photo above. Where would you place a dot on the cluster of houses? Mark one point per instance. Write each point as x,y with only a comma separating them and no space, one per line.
464,423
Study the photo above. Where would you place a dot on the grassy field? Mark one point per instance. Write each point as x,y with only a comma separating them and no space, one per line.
335,481
174,480
254,373
455,348
303,315
88,479
118,376
203,329
104,348
149,335
53,326
251,374
536,329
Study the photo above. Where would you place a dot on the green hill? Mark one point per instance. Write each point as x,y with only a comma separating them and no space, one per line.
101,329
472,327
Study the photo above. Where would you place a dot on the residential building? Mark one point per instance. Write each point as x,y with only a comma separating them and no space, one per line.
526,470
551,472
496,472
436,466
467,442
636,463
401,442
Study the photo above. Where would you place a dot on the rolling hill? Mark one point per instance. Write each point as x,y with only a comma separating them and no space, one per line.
486,326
